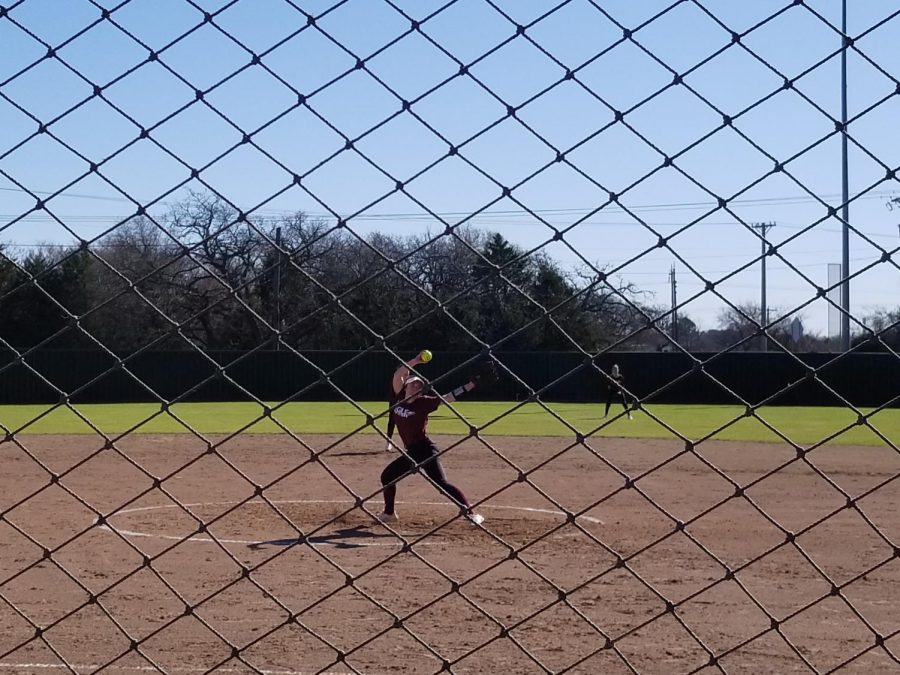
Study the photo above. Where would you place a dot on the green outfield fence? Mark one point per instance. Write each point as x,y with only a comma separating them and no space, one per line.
862,379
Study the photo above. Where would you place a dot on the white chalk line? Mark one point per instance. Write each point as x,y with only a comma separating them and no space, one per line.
196,538
153,669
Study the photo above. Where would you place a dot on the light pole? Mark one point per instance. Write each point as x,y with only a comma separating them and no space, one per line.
845,210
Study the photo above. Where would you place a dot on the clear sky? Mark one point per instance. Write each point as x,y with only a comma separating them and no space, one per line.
149,58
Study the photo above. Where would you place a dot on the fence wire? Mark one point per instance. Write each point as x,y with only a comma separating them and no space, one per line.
53,63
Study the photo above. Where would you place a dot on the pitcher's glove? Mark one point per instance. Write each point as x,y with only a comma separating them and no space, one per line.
485,374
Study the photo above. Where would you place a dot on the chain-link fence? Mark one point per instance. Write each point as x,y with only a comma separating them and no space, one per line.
496,180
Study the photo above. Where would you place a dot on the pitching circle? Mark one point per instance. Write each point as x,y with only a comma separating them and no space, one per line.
196,538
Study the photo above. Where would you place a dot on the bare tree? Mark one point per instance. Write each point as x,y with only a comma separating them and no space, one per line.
885,327
739,324
134,286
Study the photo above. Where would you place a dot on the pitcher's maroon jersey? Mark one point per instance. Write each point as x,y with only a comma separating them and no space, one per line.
411,418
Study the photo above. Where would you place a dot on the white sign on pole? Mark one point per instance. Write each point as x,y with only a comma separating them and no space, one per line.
834,314
796,329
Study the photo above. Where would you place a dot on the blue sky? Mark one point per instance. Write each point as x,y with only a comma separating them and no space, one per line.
524,69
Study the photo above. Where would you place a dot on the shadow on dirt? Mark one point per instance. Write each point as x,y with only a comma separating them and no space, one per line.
340,539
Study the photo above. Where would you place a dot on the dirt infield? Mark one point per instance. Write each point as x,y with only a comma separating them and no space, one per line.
307,574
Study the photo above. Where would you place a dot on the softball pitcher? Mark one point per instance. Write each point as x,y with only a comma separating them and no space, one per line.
410,415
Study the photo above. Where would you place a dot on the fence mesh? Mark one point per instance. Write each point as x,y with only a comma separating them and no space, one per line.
197,125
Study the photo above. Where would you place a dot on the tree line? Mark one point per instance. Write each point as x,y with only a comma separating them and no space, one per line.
205,276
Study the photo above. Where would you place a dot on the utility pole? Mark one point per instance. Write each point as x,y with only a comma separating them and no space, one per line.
277,286
763,311
674,304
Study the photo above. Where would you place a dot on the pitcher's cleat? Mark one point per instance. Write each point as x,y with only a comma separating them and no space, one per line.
475,518
388,517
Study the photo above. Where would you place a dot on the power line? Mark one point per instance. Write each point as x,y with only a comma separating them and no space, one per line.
673,206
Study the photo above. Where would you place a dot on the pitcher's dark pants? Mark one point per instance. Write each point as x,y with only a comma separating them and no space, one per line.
424,453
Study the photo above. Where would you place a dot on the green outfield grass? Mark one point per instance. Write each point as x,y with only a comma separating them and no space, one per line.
803,425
